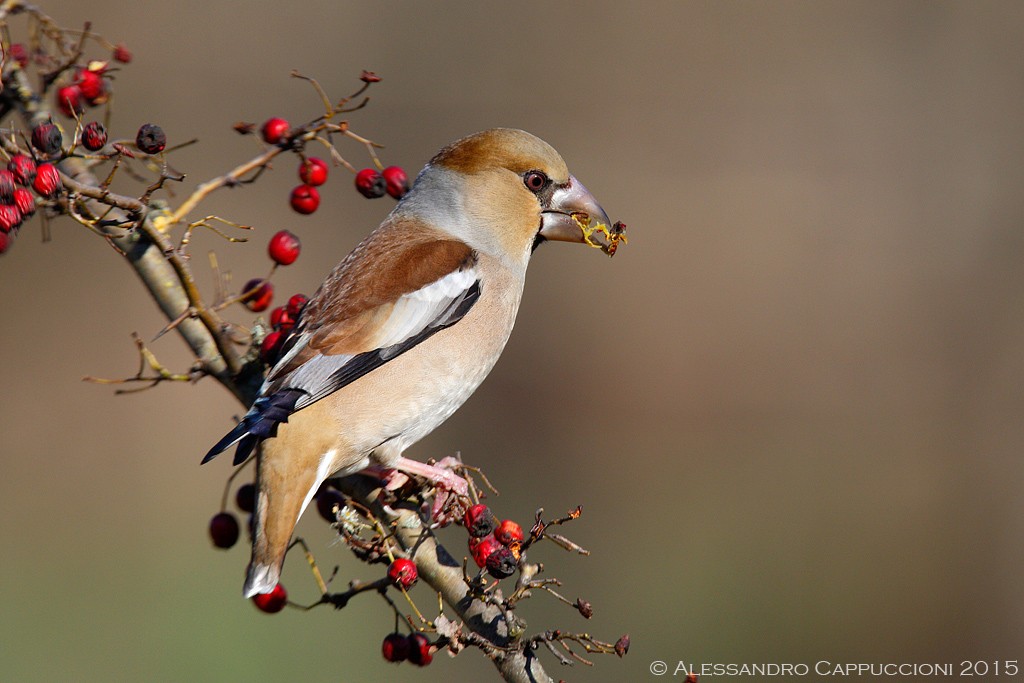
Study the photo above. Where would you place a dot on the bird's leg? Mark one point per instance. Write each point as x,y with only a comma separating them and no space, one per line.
442,475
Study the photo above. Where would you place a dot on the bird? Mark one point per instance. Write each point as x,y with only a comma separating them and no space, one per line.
406,327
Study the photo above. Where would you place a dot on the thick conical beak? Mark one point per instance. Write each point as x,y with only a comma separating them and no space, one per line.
575,216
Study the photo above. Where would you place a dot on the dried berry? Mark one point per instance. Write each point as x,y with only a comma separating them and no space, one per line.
369,77
151,138
479,520
397,182
47,139
395,647
305,199
313,171
224,529
483,549
23,168
403,573
47,180
371,183
508,532
6,187
275,130
258,293
121,54
94,136
501,563
284,248
245,497
622,645
271,602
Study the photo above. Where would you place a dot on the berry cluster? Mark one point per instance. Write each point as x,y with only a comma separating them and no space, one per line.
88,87
494,545
313,171
282,320
415,648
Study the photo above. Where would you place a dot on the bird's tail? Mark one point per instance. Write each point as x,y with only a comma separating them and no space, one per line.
259,423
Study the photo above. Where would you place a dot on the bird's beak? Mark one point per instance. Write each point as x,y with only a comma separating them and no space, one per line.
575,216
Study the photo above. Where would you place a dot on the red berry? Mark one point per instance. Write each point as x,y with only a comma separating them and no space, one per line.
5,242
296,304
313,171
23,168
121,54
284,248
69,100
326,500
224,529
370,183
508,532
19,54
258,293
275,130
395,647
403,573
501,563
419,650
305,199
245,497
10,217
479,520
397,181
25,202
270,347
271,602
151,138
484,549
47,139
92,86
47,180
6,186
94,136
281,319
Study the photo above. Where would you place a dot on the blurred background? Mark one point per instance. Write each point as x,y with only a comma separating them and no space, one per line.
790,407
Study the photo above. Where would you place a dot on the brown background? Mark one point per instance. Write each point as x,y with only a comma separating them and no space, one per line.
791,407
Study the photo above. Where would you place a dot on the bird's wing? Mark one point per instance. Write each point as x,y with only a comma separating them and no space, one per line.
392,292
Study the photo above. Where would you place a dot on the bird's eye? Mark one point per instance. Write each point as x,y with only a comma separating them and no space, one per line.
535,181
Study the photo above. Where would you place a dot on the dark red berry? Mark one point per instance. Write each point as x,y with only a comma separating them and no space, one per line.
92,86
395,647
47,180
224,529
270,347
151,138
271,602
245,497
501,563
10,217
370,183
419,650
281,319
484,548
258,293
69,100
284,248
5,242
275,130
508,532
23,168
121,54
403,573
6,186
25,202
94,136
369,77
326,501
19,54
47,139
396,180
479,520
296,303
313,171
305,199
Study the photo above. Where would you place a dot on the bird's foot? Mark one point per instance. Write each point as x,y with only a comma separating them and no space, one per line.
442,474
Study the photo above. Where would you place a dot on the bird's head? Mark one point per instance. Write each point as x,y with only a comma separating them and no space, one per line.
505,191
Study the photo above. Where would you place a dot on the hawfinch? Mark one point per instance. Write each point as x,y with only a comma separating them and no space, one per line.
406,327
